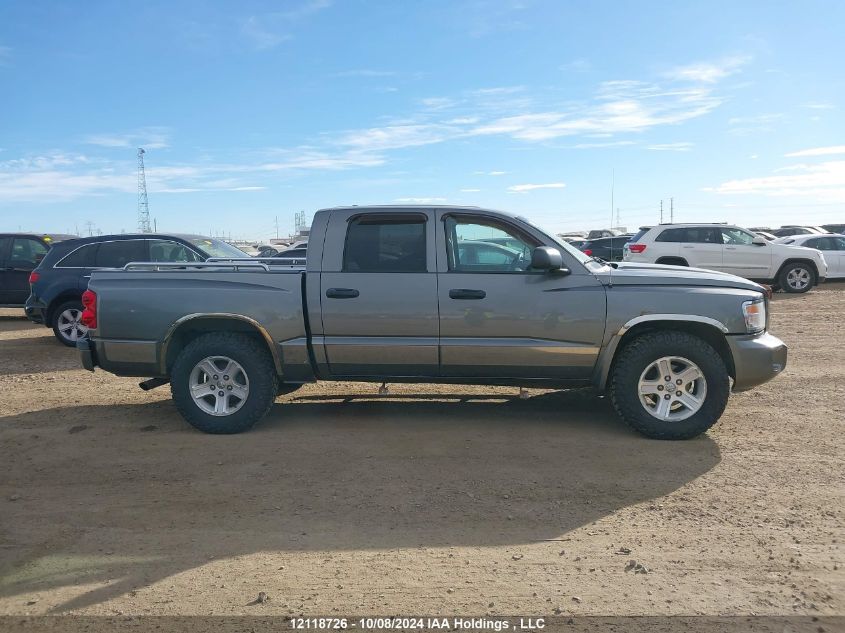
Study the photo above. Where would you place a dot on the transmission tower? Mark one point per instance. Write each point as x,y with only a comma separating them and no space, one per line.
143,204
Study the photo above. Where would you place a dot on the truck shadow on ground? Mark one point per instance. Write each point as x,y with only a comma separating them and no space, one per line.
138,496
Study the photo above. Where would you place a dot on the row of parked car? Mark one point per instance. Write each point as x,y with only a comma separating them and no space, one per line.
791,258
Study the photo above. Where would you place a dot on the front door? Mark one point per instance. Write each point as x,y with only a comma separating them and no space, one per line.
743,257
23,255
379,296
500,318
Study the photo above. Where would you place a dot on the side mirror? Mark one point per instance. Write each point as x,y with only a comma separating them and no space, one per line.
548,258
759,241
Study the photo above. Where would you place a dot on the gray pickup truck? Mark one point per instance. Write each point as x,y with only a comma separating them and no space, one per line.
446,295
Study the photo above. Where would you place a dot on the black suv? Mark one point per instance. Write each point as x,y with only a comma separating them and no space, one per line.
20,253
610,249
62,276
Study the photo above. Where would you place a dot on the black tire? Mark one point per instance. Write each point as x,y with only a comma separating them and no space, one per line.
798,267
633,360
257,365
288,387
63,338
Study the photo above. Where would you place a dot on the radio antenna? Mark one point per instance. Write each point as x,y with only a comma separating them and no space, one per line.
612,205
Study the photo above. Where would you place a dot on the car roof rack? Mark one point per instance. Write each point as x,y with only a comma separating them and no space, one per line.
234,264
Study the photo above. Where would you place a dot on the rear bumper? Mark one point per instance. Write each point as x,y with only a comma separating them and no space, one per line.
87,354
757,359
35,310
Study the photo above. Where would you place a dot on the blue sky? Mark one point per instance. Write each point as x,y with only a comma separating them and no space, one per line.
253,110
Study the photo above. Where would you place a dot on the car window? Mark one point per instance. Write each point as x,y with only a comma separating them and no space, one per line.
4,245
839,243
216,248
118,253
82,257
469,250
639,234
703,235
736,236
169,251
672,235
26,250
380,243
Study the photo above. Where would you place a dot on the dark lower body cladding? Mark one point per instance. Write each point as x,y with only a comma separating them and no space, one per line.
757,359
86,353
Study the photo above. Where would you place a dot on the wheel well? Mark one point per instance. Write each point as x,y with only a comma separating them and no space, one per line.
706,332
191,329
808,262
67,295
675,261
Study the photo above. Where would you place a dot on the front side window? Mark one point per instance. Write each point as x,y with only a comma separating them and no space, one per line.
737,237
216,248
120,252
167,251
26,250
838,243
385,244
474,245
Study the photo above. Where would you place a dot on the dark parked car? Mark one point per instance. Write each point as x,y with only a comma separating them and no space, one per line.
292,256
607,248
20,253
57,284
834,228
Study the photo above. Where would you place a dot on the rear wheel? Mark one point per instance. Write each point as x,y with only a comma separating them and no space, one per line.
796,278
223,382
67,325
669,385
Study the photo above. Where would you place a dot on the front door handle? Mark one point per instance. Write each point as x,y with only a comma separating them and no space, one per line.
342,293
466,293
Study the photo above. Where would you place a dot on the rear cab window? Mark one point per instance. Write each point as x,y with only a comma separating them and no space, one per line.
385,243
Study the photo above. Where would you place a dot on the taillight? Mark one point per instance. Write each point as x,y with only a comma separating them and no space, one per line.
89,314
34,276
636,248
588,251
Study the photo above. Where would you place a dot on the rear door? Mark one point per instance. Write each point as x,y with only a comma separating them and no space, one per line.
378,294
702,247
744,258
502,319
23,255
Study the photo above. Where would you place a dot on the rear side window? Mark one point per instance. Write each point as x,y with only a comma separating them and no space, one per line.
82,257
385,244
639,234
671,235
703,235
120,252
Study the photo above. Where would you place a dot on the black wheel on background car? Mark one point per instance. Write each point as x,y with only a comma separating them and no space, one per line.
223,382
66,322
669,385
796,278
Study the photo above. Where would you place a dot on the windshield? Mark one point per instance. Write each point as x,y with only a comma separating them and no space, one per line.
216,248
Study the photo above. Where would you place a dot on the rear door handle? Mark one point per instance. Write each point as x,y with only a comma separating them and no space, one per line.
342,293
466,293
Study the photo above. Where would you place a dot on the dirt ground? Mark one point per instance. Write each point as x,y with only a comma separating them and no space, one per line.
431,500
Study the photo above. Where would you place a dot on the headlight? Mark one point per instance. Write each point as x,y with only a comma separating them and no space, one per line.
755,315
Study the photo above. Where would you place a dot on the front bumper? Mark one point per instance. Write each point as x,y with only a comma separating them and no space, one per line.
86,353
757,359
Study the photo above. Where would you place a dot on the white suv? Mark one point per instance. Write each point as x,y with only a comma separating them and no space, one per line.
729,249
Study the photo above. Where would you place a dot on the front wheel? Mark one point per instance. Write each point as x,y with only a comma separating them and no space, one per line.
796,278
223,382
669,385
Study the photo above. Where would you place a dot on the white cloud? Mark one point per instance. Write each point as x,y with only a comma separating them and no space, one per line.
606,144
672,147
148,138
822,182
819,105
267,31
259,36
577,65
531,187
819,151
470,190
365,72
755,124
708,72
419,200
